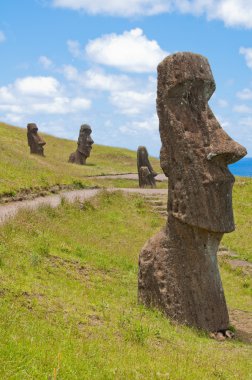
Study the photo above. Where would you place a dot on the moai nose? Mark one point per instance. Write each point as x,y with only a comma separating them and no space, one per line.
225,148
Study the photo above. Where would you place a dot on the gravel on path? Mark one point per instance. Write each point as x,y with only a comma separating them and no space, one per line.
10,210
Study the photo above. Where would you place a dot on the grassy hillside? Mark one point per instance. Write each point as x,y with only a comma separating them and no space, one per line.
240,240
20,170
68,301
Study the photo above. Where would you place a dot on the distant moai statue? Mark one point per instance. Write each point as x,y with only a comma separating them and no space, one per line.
146,174
35,141
178,269
84,147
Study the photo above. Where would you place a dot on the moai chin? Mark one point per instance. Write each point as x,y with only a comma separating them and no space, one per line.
146,174
35,141
84,147
178,270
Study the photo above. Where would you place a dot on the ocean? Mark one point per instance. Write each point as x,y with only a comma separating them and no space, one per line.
242,168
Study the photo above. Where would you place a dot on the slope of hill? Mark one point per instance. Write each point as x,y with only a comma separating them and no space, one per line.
21,171
69,308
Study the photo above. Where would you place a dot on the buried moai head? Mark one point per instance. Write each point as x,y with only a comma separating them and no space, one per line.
195,149
35,141
84,147
85,140
146,174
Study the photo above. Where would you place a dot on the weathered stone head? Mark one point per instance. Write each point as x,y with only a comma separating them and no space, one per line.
195,149
35,141
84,148
146,174
85,140
178,268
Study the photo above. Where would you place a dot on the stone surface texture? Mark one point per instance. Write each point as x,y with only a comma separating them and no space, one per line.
178,270
84,147
146,174
35,141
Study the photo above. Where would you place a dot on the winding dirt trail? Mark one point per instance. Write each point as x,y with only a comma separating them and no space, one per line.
11,209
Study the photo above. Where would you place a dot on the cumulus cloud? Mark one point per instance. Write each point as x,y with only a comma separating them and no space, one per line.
97,79
130,51
38,95
74,48
244,94
117,7
222,103
231,12
243,108
37,86
247,52
149,124
133,102
45,62
61,105
2,36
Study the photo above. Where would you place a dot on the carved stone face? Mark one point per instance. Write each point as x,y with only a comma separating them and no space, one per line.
35,141
85,140
195,149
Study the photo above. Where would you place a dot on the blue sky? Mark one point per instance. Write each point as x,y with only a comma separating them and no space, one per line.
68,62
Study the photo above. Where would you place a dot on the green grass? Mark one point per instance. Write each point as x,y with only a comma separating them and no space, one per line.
68,301
22,172
240,240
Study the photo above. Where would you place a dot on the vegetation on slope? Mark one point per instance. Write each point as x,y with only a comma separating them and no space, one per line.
240,240
69,301
22,171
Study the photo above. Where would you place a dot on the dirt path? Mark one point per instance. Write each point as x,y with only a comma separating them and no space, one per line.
10,209
133,176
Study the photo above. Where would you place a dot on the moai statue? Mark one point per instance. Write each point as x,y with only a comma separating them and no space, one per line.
84,148
35,142
178,270
146,174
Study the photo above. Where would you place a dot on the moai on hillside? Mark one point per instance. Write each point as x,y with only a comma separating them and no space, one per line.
146,174
35,141
84,147
178,270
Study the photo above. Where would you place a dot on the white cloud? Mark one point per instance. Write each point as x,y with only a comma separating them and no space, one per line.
6,96
245,94
243,109
222,103
38,96
140,126
45,62
13,108
117,7
247,122
231,12
61,105
37,86
133,102
2,36
247,52
74,48
14,118
96,79
130,51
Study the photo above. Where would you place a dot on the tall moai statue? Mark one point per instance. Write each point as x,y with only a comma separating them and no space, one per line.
84,147
35,141
146,174
178,269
